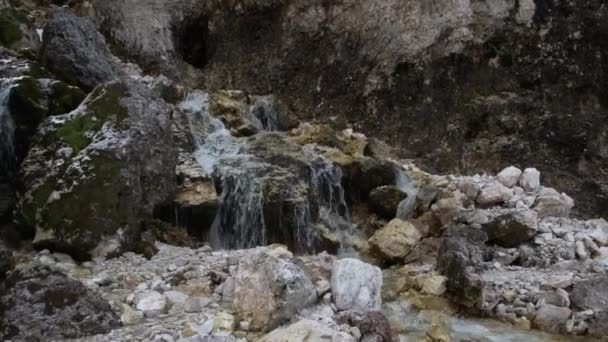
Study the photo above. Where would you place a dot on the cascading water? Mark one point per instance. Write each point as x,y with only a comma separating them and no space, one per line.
405,210
7,127
263,200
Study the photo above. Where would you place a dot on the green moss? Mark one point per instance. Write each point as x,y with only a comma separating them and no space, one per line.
106,106
40,196
10,33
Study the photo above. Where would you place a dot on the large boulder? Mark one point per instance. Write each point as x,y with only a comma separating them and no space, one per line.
551,203
356,285
74,50
396,240
94,174
40,304
591,294
512,229
269,289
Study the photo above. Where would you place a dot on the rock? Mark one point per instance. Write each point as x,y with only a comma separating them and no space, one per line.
598,326
591,294
494,193
396,239
378,149
6,261
39,303
439,328
74,49
552,318
130,316
307,330
223,324
550,203
530,180
509,176
372,325
384,200
512,229
432,284
446,209
356,285
558,297
470,188
151,303
16,30
270,290
94,175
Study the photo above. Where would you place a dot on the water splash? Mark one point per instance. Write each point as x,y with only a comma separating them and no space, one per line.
405,210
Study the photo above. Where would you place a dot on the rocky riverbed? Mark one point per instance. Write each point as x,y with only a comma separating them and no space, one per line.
144,198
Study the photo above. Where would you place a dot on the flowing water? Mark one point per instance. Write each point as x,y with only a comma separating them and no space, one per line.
405,210
282,197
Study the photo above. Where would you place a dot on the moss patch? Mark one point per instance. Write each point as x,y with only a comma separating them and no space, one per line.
10,33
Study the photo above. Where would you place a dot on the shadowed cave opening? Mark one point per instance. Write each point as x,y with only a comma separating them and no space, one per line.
193,41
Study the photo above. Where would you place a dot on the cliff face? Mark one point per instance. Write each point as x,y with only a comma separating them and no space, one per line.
461,85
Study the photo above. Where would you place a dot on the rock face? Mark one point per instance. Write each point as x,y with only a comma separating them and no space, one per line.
76,51
481,68
269,289
39,303
94,174
356,285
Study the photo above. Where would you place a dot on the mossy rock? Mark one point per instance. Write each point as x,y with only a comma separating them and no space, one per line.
64,98
10,32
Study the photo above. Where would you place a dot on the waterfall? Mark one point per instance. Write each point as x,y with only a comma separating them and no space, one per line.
405,210
7,127
262,200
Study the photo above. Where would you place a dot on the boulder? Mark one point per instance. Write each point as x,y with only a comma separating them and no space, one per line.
74,50
551,203
512,229
530,180
509,176
307,330
552,318
598,326
269,289
494,193
93,175
384,200
151,303
591,294
373,325
356,285
41,304
396,239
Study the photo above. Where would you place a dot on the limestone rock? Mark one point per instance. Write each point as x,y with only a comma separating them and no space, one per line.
76,51
269,290
510,230
550,203
39,303
439,328
396,239
552,318
356,285
151,303
509,176
590,294
494,193
307,330
385,200
372,325
530,180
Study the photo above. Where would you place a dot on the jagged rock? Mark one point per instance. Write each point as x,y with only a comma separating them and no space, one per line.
509,176
373,325
494,193
356,285
151,303
530,180
39,303
590,294
6,261
93,175
551,203
396,239
307,330
552,318
384,200
76,51
512,229
270,289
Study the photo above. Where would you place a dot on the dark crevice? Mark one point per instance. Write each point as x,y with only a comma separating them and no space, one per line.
193,41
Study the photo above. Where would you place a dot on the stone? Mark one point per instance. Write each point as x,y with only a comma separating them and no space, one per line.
512,229
590,294
530,180
39,303
598,326
446,209
550,203
7,261
509,176
356,285
432,284
494,193
439,328
372,325
269,290
396,239
307,330
92,176
224,324
470,188
552,318
384,200
74,49
151,303
130,316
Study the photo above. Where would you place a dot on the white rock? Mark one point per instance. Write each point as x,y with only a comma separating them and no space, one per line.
494,193
307,330
151,303
176,297
356,285
530,180
581,251
525,12
509,176
130,316
223,324
551,203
